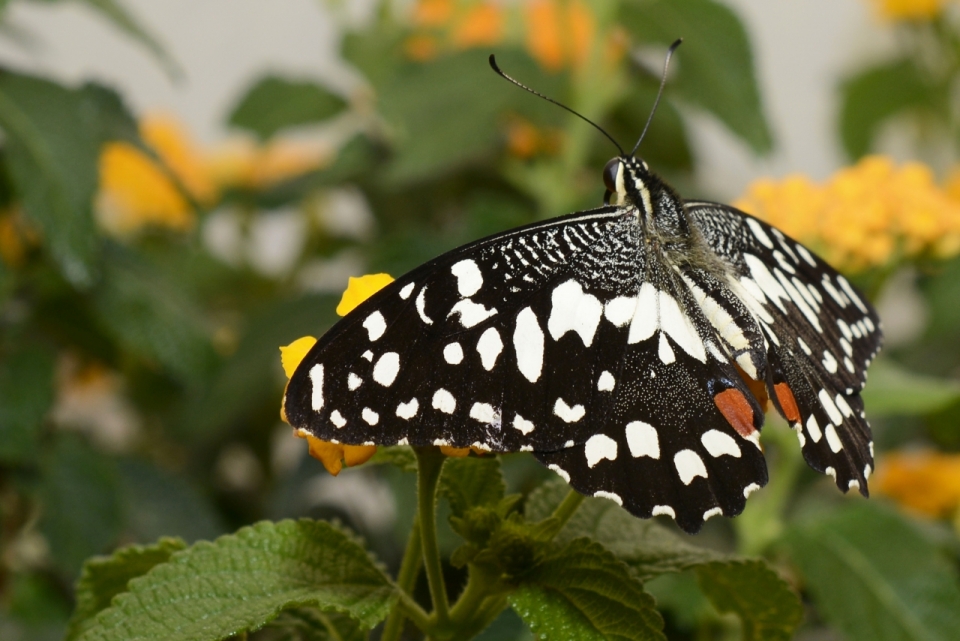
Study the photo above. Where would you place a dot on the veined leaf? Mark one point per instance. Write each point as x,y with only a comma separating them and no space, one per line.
582,592
241,581
103,578
767,607
468,482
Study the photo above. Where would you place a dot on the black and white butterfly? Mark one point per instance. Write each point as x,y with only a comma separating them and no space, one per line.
616,345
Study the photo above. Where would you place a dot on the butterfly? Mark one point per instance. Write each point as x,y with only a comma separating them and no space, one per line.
628,347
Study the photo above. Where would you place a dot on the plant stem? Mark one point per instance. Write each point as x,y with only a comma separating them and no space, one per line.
568,507
406,580
429,463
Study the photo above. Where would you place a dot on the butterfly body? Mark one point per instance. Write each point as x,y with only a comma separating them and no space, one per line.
618,344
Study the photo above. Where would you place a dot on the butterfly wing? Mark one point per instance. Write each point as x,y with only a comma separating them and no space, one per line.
560,338
820,336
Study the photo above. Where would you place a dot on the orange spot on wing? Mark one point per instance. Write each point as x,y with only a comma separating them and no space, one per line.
737,410
757,388
787,402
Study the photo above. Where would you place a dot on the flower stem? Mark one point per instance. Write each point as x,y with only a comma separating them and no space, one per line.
406,580
568,507
429,463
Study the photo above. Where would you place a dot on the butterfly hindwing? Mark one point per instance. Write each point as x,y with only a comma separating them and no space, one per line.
820,332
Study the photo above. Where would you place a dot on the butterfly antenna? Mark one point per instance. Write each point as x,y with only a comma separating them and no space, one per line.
663,82
493,65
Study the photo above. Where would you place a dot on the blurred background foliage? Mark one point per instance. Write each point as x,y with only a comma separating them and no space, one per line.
146,282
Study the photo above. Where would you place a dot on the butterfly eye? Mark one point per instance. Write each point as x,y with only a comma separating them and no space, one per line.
610,175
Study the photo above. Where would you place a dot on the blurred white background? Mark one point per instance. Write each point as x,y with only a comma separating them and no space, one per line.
803,49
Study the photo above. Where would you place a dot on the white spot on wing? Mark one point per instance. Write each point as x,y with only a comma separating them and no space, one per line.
453,353
408,410
471,313
573,310
422,307
489,347
646,317
406,291
469,278
567,413
833,440
316,379
353,381
675,323
845,284
444,401
528,343
620,310
522,424
750,489
835,417
386,370
665,351
717,444
600,494
643,440
599,447
560,472
829,361
375,325
367,355
337,419
813,428
606,382
843,406
759,232
665,510
712,512
806,255
483,412
806,348
689,465
369,416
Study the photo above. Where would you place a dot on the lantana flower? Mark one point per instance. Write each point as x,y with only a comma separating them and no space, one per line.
926,482
864,216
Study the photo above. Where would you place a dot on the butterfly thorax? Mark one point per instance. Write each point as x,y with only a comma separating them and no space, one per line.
665,227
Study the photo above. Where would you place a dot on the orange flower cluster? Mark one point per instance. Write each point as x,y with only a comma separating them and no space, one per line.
556,34
138,190
335,456
865,215
926,482
908,10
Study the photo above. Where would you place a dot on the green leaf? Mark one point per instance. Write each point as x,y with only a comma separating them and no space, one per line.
874,96
241,581
471,481
275,103
646,546
26,395
310,624
446,113
583,592
400,455
893,390
123,20
52,155
768,608
151,318
102,578
82,509
873,576
714,67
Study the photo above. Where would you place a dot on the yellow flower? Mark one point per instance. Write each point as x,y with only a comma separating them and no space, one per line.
926,482
241,164
865,215
136,192
432,13
360,289
17,236
913,10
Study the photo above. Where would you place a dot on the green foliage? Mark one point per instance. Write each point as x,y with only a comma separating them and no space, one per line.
275,103
583,592
103,578
894,390
241,581
874,576
26,394
716,70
